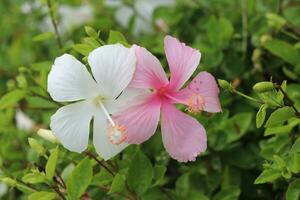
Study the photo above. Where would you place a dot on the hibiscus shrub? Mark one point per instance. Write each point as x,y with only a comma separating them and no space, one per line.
253,146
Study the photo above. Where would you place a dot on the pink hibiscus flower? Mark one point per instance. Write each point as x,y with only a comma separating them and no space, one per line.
183,136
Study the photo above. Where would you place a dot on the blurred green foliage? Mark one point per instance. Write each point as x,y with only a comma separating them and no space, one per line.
253,145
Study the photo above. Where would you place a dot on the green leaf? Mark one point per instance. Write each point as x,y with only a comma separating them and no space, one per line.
261,115
43,37
102,178
228,193
91,32
279,116
159,172
83,49
293,191
36,146
11,98
296,146
140,173
118,184
51,164
79,179
283,50
282,129
42,196
34,178
91,42
116,37
268,175
279,161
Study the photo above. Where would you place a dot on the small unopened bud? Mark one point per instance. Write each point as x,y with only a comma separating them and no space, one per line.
47,135
224,84
262,87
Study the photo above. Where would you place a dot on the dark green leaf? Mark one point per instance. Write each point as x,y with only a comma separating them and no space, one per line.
283,50
140,173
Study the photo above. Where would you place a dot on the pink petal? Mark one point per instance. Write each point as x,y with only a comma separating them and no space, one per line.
182,60
149,72
140,120
205,85
183,136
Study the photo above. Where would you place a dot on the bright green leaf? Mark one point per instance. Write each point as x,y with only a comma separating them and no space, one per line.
83,49
116,37
43,37
261,115
293,191
91,32
118,184
36,146
268,175
51,164
79,179
296,146
11,98
34,178
279,116
42,196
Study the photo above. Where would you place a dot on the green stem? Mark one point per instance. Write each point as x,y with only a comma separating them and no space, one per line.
248,97
245,26
54,23
288,99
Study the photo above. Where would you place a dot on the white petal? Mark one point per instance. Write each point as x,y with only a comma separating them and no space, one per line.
125,99
113,67
71,124
103,146
69,80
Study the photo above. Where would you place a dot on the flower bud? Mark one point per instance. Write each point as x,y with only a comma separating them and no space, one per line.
262,87
224,84
47,135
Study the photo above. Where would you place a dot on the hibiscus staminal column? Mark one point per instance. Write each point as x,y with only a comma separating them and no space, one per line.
116,133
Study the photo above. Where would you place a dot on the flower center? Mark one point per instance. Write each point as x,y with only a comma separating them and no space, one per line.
195,103
116,133
161,91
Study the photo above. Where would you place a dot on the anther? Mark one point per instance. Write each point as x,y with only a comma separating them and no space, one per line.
195,103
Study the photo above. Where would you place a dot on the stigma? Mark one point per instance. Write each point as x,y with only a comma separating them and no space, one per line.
117,134
195,103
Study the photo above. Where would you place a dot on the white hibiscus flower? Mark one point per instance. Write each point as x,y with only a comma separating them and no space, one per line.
112,67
